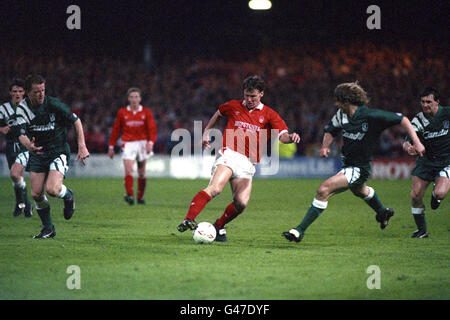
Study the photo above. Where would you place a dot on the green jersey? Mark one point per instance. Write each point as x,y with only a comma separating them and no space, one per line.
433,132
47,123
361,133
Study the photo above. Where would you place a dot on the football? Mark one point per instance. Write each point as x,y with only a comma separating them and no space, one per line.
204,233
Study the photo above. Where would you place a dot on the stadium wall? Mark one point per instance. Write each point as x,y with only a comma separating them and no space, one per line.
200,167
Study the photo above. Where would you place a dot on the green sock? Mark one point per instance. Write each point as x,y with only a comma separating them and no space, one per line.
312,214
45,216
420,221
374,202
25,195
68,194
419,218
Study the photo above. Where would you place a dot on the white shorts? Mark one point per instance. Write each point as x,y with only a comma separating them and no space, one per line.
445,172
60,164
22,158
135,150
237,162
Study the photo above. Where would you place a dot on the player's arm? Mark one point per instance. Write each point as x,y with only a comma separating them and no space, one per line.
417,145
331,130
152,132
326,144
83,152
29,144
4,128
115,132
277,123
289,137
22,123
211,123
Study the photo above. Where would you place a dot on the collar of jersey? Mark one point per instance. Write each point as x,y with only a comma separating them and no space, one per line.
259,107
138,110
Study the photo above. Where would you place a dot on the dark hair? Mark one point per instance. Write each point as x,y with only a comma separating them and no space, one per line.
352,93
253,82
133,89
430,90
16,82
33,79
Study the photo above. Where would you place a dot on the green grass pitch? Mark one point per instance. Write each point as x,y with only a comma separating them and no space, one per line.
135,252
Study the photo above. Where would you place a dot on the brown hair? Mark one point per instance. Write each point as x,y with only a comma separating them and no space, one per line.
352,93
253,82
33,79
134,89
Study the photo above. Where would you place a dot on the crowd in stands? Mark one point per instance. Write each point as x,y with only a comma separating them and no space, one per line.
300,84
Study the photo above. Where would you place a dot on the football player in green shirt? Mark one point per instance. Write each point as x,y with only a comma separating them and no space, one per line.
432,127
361,128
44,119
16,154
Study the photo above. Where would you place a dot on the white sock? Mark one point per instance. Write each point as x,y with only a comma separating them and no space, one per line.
20,184
371,193
63,192
320,204
417,210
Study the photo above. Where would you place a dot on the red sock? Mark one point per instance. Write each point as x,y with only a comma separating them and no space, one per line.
197,204
141,187
129,185
229,214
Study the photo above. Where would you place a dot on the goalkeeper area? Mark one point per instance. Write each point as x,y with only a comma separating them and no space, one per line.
136,252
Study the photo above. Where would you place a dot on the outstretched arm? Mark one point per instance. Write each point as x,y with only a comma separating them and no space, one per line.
290,138
83,152
30,144
417,145
211,123
326,143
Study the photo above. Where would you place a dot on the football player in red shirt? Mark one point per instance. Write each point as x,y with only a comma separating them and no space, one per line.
247,119
139,133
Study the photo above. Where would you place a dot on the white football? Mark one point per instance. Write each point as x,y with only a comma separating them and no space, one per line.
204,233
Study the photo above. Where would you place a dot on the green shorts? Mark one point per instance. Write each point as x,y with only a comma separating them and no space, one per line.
45,163
430,173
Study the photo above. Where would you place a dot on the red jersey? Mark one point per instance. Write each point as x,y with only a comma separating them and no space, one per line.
135,125
247,131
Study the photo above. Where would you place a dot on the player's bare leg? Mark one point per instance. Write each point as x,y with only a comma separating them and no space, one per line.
128,164
55,188
37,184
440,190
241,189
221,176
330,187
419,186
369,195
142,181
20,190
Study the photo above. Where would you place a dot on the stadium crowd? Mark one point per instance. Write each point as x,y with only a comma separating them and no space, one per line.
180,90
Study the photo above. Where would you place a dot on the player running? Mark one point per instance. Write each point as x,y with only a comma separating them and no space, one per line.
16,153
44,119
247,118
139,134
432,127
361,128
